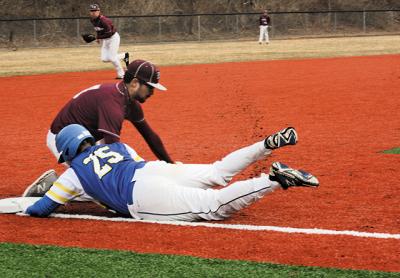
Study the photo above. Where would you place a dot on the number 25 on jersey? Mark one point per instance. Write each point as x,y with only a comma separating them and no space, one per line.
103,153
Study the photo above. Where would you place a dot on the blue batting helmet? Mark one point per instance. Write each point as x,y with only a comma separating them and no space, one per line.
69,139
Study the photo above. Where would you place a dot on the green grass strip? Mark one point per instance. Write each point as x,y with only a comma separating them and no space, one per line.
21,260
393,151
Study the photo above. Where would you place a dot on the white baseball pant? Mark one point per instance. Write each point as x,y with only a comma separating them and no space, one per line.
109,53
263,34
184,192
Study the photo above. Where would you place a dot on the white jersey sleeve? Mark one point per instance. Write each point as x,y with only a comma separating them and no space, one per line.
66,188
133,153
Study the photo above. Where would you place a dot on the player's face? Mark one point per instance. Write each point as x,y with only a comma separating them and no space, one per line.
94,14
139,91
144,92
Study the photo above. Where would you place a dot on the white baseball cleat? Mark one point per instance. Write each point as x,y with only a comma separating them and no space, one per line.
287,136
288,177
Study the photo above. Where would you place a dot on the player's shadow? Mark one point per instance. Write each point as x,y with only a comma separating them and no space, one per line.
86,208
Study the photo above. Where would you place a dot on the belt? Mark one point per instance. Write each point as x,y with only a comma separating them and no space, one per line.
110,36
130,196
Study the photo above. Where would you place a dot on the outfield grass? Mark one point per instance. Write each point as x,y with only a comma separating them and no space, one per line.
22,260
393,151
27,61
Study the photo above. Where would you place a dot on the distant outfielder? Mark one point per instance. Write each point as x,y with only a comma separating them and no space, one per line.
107,34
115,176
264,22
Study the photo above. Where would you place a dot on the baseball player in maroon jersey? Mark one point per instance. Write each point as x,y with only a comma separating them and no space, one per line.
107,35
264,22
102,108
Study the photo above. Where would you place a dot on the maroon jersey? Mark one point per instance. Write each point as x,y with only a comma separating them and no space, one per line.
265,20
101,109
103,27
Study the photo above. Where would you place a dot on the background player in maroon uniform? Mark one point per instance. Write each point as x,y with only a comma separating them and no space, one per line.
102,109
264,22
107,35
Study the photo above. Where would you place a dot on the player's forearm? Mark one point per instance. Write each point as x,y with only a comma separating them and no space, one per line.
156,145
153,140
158,148
42,208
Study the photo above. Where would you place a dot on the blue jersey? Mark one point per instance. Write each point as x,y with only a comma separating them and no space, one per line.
106,173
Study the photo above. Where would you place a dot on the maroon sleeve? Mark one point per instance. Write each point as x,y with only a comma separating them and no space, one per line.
136,117
110,122
268,20
108,30
135,113
153,140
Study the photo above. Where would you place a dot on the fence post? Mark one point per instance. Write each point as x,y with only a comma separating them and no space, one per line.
77,29
159,28
119,25
237,24
364,21
198,28
334,22
34,31
271,30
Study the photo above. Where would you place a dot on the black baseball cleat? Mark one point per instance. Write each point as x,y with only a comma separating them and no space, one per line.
40,186
287,136
288,177
126,59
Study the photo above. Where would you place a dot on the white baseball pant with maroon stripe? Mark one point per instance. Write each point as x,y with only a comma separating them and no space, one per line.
184,192
109,53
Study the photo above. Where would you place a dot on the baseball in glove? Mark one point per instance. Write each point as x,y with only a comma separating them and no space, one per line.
88,38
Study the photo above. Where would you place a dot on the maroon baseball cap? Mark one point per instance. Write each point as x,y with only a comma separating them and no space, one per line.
94,7
147,72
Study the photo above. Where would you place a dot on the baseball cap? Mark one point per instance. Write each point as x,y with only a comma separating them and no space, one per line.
94,7
146,72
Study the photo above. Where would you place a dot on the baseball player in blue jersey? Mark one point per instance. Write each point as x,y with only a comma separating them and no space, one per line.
114,175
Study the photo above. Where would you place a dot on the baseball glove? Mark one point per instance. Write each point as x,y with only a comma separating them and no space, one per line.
88,38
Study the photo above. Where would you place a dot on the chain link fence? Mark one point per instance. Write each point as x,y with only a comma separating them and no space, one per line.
53,32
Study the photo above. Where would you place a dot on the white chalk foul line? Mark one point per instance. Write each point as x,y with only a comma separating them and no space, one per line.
233,226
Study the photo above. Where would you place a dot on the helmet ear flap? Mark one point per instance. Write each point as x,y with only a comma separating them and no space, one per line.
91,140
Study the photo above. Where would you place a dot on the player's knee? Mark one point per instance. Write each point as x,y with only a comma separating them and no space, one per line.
105,58
219,176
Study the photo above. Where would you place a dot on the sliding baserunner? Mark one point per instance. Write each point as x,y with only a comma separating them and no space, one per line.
114,175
